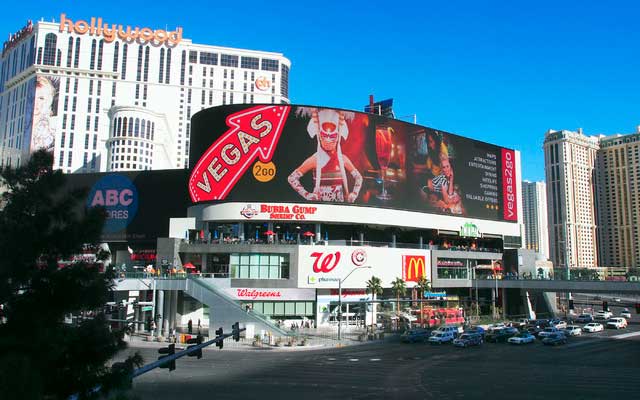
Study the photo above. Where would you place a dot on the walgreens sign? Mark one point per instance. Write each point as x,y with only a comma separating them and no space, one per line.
271,294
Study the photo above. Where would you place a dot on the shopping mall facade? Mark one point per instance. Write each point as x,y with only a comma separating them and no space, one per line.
284,205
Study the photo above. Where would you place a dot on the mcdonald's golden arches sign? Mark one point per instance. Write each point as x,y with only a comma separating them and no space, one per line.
413,268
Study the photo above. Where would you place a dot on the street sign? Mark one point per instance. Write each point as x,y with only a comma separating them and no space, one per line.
435,294
147,308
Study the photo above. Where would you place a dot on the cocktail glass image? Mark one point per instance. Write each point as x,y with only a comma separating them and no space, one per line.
383,152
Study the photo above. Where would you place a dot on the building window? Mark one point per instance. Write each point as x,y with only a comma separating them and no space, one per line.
182,67
284,81
92,62
207,58
69,52
146,64
125,48
227,60
100,49
168,69
193,56
50,47
116,49
249,62
257,266
269,65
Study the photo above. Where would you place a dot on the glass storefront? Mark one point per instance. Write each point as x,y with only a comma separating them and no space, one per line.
259,266
452,268
282,309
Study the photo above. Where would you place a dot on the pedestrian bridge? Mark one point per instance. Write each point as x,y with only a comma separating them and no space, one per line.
622,287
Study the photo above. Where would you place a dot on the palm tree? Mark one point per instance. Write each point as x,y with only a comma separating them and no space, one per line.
399,287
374,286
423,285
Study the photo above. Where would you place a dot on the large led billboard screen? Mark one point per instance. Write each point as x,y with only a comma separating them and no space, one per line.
288,153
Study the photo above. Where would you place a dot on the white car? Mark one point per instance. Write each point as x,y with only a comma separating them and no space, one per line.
625,314
573,330
548,332
603,315
442,337
593,327
617,323
559,324
522,338
493,327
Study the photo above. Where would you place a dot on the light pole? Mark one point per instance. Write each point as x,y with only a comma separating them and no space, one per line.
340,298
495,293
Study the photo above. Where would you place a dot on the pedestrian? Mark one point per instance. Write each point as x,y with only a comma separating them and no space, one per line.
190,327
199,326
153,327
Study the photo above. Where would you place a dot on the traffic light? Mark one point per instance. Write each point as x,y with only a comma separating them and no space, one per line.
236,331
195,341
605,306
571,305
169,351
638,308
220,342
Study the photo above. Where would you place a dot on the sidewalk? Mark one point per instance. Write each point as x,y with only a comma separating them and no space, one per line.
313,339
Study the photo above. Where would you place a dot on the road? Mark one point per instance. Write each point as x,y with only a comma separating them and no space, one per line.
594,366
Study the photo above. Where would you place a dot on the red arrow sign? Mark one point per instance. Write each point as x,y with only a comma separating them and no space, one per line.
254,132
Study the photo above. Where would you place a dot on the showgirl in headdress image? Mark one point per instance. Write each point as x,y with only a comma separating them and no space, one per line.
328,164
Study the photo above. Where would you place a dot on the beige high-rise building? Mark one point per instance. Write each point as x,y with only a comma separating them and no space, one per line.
570,161
618,189
534,210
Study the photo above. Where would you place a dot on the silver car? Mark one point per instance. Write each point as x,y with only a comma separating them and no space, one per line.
573,330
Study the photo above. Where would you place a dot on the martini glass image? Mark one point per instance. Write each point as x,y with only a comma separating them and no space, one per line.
383,152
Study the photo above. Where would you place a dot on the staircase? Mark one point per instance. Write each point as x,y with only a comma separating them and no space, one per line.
225,310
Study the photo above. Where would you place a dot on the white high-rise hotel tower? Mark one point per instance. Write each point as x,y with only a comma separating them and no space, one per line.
593,192
107,97
534,210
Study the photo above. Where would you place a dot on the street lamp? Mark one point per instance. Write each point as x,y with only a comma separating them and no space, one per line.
340,298
495,293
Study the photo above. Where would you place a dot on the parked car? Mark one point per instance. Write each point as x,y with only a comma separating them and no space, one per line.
415,335
625,313
603,315
617,323
522,338
455,330
534,330
540,323
500,335
593,327
548,332
476,330
584,318
573,330
554,339
467,339
441,337
519,323
558,323
496,326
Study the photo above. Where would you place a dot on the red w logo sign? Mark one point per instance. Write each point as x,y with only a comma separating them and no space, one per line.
325,262
254,133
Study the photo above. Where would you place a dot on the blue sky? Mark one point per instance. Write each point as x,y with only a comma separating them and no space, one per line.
501,72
